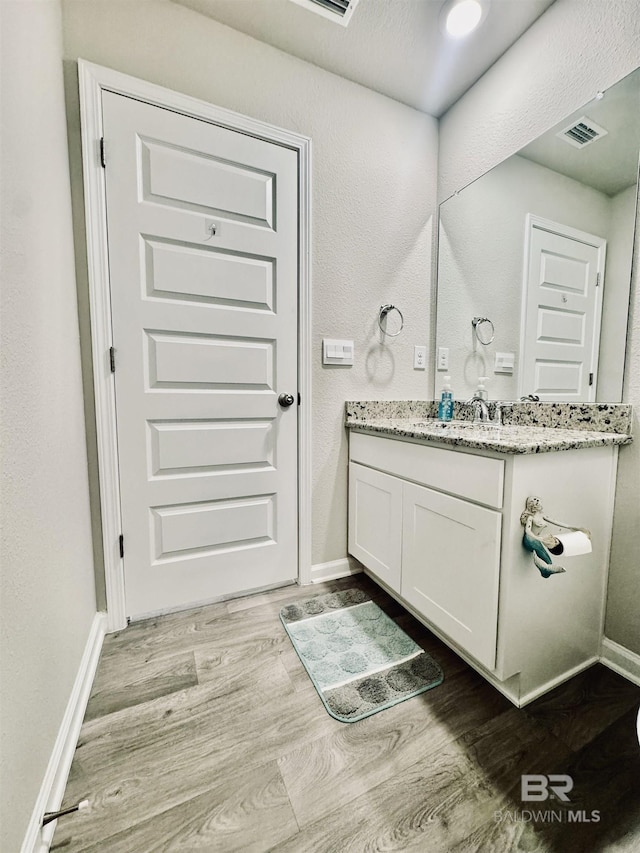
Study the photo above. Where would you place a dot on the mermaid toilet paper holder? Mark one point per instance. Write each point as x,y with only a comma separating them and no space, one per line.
544,544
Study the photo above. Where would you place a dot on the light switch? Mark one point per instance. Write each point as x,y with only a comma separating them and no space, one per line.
337,352
505,362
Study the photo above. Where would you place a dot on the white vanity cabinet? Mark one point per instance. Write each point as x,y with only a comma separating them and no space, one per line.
439,528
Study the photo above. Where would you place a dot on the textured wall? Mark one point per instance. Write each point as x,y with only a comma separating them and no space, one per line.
575,49
47,602
622,226
373,200
623,601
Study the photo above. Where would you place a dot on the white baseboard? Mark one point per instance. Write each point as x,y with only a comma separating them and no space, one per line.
620,660
335,569
38,839
555,682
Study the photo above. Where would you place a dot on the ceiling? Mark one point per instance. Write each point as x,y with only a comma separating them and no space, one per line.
395,47
610,164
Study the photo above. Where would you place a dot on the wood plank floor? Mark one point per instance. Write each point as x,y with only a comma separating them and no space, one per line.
204,733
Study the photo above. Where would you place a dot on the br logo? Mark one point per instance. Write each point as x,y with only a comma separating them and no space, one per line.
538,787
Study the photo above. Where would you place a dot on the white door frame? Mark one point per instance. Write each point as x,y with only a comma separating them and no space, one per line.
599,243
93,80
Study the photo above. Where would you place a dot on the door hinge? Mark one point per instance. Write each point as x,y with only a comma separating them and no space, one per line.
103,161
591,379
121,543
299,398
597,279
112,359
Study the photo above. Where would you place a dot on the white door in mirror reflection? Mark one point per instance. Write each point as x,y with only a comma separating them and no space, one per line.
562,307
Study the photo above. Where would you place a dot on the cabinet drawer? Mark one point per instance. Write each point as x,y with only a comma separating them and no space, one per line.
477,478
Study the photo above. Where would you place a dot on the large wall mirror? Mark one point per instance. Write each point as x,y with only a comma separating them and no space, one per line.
534,262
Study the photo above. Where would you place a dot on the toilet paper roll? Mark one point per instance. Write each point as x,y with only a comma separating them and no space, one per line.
572,544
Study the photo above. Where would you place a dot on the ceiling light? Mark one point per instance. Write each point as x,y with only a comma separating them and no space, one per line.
463,17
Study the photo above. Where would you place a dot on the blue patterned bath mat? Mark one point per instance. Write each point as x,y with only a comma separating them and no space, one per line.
358,659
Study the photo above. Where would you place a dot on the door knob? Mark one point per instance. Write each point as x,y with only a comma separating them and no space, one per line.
286,400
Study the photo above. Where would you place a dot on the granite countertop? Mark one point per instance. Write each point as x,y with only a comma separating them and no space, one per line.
527,427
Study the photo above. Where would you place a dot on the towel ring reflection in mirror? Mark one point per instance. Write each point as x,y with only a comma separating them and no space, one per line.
488,335
382,317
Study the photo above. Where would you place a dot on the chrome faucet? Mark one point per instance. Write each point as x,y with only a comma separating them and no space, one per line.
480,410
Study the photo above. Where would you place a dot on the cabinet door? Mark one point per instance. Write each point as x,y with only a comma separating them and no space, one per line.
450,567
375,522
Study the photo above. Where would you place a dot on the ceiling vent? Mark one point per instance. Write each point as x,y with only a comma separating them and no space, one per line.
339,11
582,132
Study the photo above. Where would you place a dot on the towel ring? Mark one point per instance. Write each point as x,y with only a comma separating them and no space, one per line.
382,314
478,321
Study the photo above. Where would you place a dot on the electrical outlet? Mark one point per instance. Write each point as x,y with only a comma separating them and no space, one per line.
419,358
443,358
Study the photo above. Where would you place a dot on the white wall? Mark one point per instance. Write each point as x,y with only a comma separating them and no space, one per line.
374,165
623,600
47,601
613,338
575,49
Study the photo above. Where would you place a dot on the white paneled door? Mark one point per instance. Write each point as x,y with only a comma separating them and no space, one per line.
202,232
564,279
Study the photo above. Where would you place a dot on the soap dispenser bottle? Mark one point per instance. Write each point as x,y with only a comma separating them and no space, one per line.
481,390
445,406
